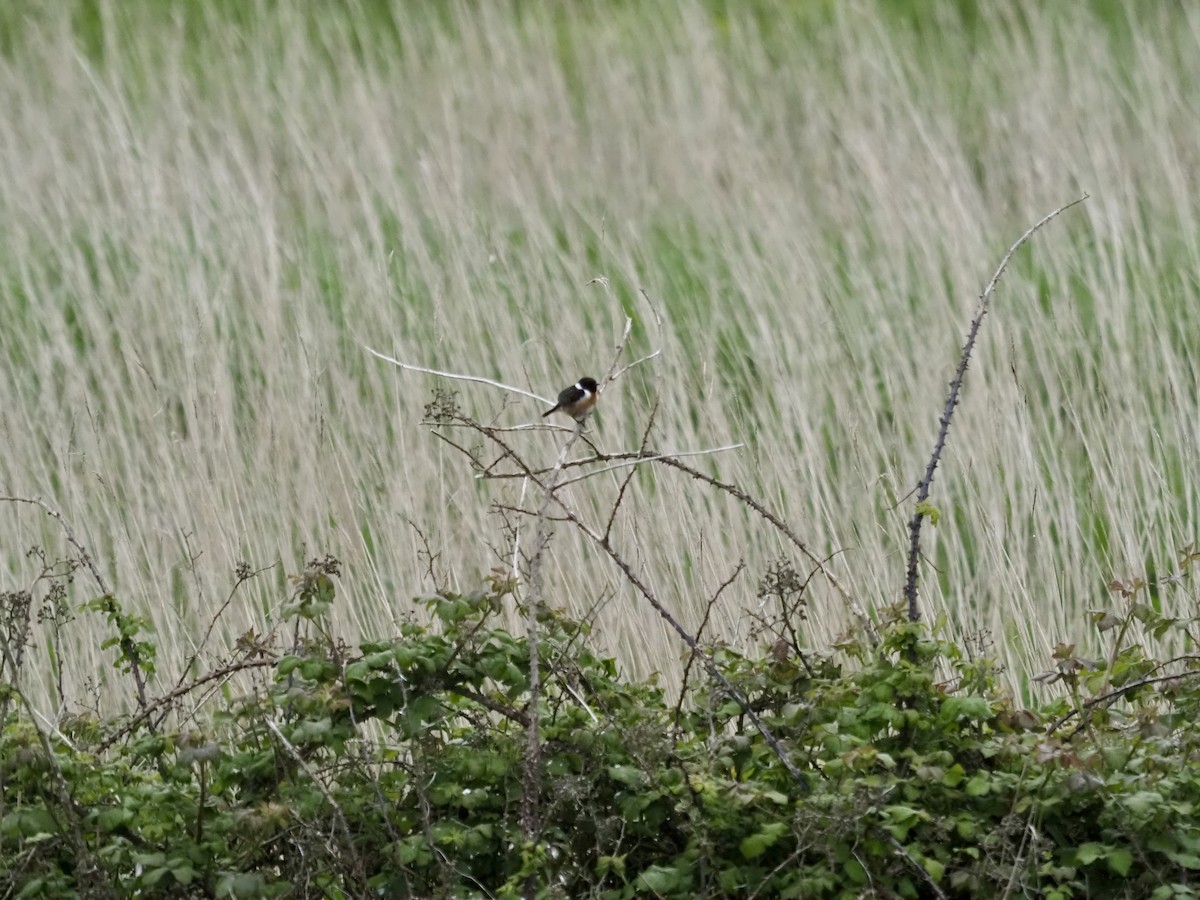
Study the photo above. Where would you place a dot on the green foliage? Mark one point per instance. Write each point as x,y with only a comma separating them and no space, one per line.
396,769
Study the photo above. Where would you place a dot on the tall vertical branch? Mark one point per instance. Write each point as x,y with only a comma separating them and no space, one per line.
914,525
531,774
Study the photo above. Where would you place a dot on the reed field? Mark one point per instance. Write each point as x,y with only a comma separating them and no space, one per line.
207,212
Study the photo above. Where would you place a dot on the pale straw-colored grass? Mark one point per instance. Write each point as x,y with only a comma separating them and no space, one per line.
200,230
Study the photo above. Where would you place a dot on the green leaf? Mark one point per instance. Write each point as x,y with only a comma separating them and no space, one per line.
935,869
1119,861
154,876
1144,805
855,873
927,509
28,824
954,775
630,775
611,864
114,818
756,845
660,879
240,884
311,730
974,708
898,820
978,786
1088,853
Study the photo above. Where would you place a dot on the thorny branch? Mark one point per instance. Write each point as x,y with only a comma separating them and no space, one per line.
914,525
604,543
549,481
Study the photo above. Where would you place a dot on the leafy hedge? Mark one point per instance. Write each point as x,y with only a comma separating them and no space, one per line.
395,769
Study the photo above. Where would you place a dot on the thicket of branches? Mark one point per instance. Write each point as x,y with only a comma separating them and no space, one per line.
461,757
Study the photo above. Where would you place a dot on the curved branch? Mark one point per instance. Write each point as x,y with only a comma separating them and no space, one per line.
914,525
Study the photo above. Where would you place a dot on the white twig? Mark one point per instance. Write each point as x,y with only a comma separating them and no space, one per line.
516,572
476,378
312,776
574,693
637,462
619,350
636,362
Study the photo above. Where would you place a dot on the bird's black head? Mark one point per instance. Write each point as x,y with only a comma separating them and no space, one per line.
588,384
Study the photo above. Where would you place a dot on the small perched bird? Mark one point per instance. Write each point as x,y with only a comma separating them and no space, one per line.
577,400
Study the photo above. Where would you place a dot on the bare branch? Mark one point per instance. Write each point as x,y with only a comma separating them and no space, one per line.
162,704
129,649
516,554
612,517
712,602
604,544
455,376
84,556
636,362
784,529
242,576
644,459
713,669
632,457
924,873
320,786
619,351
1107,699
673,461
914,525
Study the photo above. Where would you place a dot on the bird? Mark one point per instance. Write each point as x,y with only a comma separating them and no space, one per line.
577,400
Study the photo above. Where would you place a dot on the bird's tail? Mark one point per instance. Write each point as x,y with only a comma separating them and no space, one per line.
549,412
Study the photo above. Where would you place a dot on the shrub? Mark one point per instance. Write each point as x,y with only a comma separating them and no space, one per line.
395,769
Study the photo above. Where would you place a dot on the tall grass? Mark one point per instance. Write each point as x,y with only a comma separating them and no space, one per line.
203,216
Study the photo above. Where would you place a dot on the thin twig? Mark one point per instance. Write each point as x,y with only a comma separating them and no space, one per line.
1114,695
129,649
914,525
783,528
320,786
457,377
708,608
636,362
515,570
645,459
522,511
628,478
788,861
713,669
672,460
84,556
628,458
243,576
87,867
180,691
903,851
532,762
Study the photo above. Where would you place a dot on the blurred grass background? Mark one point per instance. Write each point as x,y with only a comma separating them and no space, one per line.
206,209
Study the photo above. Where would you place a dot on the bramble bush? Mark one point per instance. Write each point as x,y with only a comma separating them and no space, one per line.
394,769
460,759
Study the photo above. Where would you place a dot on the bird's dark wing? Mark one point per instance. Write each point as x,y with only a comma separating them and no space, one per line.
570,395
